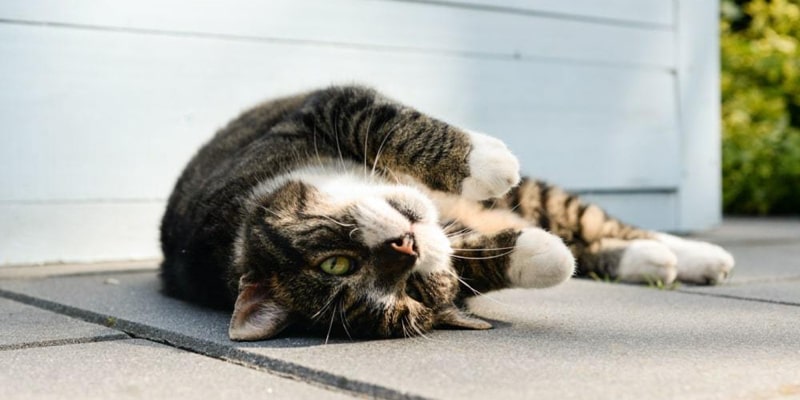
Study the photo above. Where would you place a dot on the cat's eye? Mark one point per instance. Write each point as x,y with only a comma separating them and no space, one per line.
337,265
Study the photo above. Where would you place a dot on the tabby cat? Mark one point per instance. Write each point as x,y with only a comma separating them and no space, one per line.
341,209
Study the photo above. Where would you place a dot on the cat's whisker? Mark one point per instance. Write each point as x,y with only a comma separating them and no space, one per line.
461,233
467,285
330,326
343,317
270,211
394,176
477,292
316,149
356,229
366,137
408,330
336,138
448,226
315,318
486,249
335,221
419,332
322,310
482,258
380,148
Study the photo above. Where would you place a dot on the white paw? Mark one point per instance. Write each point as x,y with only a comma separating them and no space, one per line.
699,262
647,261
493,169
539,260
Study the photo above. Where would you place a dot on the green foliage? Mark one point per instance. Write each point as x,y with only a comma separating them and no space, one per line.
761,106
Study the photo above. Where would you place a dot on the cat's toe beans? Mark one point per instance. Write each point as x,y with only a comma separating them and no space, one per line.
539,260
493,169
647,261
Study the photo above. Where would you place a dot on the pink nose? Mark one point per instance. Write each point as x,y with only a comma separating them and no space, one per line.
405,245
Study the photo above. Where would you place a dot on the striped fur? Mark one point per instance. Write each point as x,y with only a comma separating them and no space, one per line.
344,173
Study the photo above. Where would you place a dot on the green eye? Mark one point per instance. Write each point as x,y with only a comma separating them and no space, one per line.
337,265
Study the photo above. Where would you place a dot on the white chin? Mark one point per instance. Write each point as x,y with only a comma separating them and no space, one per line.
434,249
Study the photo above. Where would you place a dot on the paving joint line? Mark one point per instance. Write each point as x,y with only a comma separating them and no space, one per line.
219,351
741,298
65,342
759,280
748,242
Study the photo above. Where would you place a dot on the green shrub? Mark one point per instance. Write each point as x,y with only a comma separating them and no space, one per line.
761,106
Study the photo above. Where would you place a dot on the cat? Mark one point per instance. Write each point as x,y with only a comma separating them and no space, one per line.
342,209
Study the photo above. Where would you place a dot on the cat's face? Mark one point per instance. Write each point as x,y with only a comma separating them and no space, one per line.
358,257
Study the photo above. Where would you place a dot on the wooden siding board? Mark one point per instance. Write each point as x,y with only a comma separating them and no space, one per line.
401,26
139,106
658,211
656,13
104,102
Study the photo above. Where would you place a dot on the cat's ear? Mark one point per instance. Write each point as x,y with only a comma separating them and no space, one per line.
256,316
452,317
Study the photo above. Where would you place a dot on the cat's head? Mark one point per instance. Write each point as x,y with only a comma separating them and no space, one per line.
342,253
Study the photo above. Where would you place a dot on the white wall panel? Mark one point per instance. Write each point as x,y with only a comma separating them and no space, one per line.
102,103
700,122
657,210
401,26
100,115
82,232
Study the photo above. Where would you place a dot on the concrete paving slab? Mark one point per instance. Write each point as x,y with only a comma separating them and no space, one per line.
580,340
25,326
138,369
753,231
765,249
783,292
765,262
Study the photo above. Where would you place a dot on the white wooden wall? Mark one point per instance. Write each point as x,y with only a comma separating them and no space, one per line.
102,103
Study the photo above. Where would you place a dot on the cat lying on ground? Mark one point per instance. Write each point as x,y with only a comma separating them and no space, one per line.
341,209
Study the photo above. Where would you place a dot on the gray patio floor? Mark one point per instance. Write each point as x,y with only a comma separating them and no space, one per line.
104,331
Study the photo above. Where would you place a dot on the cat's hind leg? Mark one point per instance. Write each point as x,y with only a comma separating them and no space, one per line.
633,261
607,248
698,262
663,259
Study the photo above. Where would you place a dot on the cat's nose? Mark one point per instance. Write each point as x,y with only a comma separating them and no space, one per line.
405,245
398,254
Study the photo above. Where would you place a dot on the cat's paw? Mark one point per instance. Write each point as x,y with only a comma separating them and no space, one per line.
539,260
699,262
647,261
493,169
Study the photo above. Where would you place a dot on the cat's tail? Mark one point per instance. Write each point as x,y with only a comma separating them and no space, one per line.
596,239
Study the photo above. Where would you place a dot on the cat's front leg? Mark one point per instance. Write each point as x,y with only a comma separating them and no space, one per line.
383,135
522,258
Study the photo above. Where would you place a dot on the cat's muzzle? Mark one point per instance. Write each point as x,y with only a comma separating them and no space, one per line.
395,258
